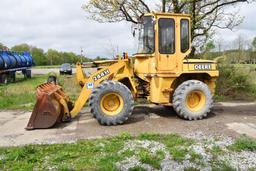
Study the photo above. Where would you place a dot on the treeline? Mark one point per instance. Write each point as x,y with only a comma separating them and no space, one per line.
234,56
244,52
51,57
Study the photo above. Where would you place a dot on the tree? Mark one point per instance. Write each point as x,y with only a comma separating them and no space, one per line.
69,57
240,46
21,48
253,52
210,46
54,57
254,43
205,14
38,56
98,58
3,47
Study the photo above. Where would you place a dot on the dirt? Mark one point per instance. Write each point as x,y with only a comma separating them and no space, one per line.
226,119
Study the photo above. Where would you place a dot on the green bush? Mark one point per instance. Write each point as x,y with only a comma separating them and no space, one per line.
236,82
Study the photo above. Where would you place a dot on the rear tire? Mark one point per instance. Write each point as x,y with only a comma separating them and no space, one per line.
4,79
28,74
192,100
111,103
12,77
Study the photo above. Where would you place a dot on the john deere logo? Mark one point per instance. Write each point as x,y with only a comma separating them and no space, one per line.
203,67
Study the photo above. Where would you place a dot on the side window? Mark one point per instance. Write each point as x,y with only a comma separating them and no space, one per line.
166,36
184,31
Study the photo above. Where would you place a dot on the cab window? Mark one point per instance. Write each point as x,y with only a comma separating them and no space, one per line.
166,36
184,31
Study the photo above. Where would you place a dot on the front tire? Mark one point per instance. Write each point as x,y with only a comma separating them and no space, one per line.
192,100
111,103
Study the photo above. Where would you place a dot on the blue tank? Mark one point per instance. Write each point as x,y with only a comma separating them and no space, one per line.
22,61
10,60
1,61
18,59
28,58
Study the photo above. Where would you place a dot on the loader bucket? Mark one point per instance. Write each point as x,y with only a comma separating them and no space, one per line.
52,106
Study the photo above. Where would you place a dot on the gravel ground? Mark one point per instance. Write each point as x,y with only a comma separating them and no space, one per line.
244,160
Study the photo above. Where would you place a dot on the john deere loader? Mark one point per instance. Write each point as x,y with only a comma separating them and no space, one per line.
160,72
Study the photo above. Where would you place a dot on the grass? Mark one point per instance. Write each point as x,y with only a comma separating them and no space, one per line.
50,66
84,155
47,67
21,95
103,154
137,168
244,143
173,143
99,154
154,160
70,86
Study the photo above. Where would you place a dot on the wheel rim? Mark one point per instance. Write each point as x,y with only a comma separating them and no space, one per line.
111,104
195,101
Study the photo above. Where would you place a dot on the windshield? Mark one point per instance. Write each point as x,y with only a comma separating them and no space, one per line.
146,35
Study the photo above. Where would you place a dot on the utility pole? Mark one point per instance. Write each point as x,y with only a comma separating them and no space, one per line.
82,54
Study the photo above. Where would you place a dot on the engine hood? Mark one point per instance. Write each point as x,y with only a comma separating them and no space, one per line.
192,61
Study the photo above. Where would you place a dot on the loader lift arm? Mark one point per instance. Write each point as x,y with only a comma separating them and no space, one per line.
54,106
93,81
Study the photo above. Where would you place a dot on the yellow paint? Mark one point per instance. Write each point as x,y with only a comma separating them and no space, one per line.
158,87
195,101
117,68
80,77
111,104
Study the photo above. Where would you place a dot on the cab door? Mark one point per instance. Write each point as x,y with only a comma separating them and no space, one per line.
166,60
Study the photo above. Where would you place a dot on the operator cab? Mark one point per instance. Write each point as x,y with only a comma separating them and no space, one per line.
166,37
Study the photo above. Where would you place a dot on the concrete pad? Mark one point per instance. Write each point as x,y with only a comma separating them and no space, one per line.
248,129
230,119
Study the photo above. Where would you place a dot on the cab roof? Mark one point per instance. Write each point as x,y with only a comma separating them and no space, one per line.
167,14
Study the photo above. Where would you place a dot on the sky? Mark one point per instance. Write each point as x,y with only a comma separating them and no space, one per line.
63,25
247,29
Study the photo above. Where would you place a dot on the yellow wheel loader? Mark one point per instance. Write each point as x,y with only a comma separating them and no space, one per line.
160,72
